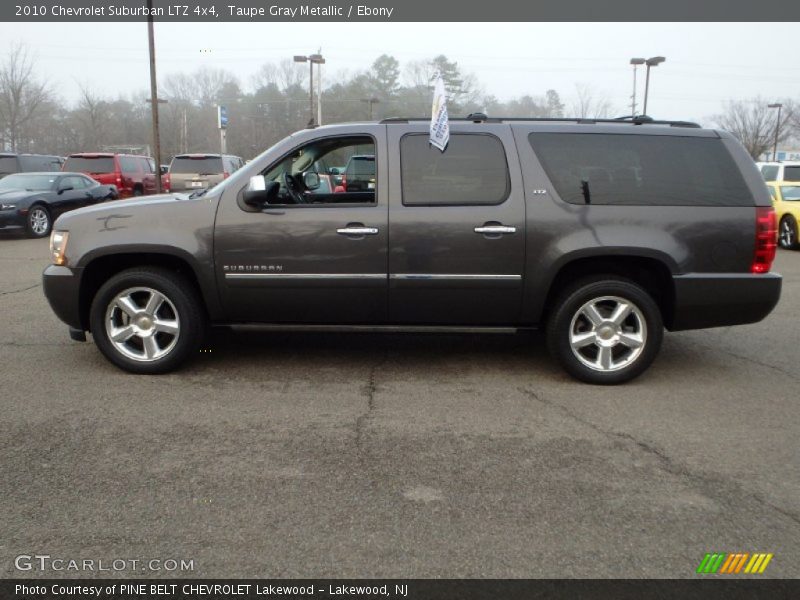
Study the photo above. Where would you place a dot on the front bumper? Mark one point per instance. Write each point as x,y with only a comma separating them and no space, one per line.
62,289
721,299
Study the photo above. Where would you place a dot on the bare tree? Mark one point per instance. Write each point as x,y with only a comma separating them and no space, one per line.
21,93
590,106
93,116
753,123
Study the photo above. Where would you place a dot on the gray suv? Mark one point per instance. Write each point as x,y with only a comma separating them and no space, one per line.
603,233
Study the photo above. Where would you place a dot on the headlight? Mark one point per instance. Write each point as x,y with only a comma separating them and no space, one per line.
58,246
8,206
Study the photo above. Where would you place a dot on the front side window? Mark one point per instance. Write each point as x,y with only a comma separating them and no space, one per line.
790,193
641,170
473,170
306,176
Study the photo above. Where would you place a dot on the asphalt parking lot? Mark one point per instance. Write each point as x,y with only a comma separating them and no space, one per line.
360,455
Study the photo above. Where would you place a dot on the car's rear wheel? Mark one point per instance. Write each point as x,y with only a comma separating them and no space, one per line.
605,330
147,320
39,223
787,233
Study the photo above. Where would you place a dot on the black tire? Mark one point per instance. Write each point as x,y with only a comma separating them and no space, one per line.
137,191
787,233
34,226
567,320
183,308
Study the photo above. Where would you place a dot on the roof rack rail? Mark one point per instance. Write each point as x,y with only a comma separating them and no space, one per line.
482,118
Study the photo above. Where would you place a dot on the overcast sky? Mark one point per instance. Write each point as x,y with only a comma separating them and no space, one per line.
707,63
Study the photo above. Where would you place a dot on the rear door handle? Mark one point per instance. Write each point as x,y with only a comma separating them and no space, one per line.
357,230
495,229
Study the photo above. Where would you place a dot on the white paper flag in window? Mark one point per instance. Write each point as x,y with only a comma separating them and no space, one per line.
440,127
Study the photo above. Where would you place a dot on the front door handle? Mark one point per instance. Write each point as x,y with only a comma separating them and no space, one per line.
357,230
491,229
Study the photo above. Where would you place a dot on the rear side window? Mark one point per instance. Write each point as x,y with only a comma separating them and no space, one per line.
8,164
769,172
82,164
791,173
129,164
472,171
197,165
643,170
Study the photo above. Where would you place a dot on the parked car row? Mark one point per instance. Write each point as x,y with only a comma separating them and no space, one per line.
36,188
32,201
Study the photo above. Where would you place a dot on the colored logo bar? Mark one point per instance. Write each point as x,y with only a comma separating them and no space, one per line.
731,563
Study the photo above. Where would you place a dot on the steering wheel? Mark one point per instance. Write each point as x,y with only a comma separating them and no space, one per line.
293,188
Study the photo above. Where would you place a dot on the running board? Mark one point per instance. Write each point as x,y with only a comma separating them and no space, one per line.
371,328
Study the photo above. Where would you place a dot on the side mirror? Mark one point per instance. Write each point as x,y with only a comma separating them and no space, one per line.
65,188
311,180
164,169
255,194
333,171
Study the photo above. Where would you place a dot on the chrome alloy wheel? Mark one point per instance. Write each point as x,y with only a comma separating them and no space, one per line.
608,333
142,324
787,234
40,221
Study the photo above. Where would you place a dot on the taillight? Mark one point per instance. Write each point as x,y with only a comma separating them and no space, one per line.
165,182
119,181
344,182
766,238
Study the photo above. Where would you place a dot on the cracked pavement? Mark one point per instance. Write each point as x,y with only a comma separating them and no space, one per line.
361,455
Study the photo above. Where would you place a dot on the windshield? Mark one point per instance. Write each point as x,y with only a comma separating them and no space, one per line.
790,193
84,164
31,183
201,165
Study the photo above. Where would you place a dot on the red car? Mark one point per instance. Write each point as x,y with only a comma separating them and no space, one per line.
133,175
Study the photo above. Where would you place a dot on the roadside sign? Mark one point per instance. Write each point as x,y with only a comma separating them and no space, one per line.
222,117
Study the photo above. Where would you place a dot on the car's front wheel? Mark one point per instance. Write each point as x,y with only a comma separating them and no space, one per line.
787,233
605,330
39,223
147,320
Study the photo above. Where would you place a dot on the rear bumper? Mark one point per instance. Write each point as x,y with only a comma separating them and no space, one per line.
62,289
11,219
721,299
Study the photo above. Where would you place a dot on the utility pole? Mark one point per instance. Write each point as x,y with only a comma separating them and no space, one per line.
154,94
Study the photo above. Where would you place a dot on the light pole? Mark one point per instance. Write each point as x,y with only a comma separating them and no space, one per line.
779,106
650,62
635,62
371,102
311,59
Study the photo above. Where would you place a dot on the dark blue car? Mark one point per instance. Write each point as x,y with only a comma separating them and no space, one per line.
32,201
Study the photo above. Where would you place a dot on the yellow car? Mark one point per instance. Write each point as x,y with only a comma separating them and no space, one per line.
786,199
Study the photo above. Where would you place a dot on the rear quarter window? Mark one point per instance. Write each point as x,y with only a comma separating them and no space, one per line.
641,170
8,164
473,170
769,172
791,173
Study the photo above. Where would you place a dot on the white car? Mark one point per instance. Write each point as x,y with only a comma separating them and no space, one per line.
780,171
